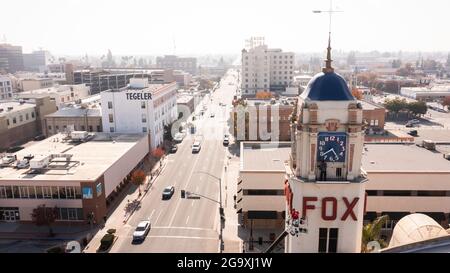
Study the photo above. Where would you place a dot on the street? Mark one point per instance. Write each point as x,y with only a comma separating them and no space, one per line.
187,225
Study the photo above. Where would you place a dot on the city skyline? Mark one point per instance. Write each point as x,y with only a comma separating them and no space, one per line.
184,29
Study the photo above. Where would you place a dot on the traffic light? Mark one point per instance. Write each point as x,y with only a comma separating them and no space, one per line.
183,194
221,211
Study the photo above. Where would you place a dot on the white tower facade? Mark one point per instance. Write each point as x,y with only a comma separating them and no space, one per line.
325,186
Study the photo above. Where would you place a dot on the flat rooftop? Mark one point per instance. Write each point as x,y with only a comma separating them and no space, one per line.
184,99
17,106
77,112
94,157
264,156
402,157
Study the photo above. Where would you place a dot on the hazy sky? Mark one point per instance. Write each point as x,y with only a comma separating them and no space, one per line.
217,26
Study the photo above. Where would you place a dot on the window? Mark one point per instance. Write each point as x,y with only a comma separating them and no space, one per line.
46,192
14,120
263,192
90,128
328,240
98,128
39,192
82,127
55,192
111,129
142,104
16,192
323,233
32,114
333,241
32,192
144,118
57,128
7,122
110,106
338,172
9,192
70,192
111,118
49,127
144,129
78,194
2,192
27,116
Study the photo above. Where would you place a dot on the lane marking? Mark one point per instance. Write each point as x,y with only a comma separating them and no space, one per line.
192,228
151,214
177,237
159,214
187,219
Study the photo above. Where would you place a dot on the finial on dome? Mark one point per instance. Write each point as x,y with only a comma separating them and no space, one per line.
328,68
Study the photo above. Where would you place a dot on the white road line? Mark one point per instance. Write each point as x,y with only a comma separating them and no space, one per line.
189,180
192,204
159,214
177,237
187,219
192,228
151,214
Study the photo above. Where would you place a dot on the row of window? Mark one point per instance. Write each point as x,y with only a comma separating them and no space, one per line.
81,128
40,192
7,83
69,214
14,119
263,192
275,56
407,193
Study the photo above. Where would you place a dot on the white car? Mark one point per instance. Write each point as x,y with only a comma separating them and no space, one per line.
178,137
141,230
196,147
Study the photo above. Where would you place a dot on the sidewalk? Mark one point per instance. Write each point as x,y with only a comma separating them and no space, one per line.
232,243
29,231
122,213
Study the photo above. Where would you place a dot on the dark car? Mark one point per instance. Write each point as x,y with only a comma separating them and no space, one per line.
14,149
413,133
168,192
39,137
173,149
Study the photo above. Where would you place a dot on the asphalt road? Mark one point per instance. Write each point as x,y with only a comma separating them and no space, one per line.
187,225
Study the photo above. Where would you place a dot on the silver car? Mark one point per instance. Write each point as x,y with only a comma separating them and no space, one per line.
141,230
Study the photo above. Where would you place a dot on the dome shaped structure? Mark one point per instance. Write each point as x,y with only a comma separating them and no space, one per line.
328,86
414,228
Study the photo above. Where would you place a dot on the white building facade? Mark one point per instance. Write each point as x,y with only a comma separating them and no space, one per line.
265,69
61,94
6,91
140,108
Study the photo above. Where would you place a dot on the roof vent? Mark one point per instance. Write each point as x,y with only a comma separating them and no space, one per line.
429,145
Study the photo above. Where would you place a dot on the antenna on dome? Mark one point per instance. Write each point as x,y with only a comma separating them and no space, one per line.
328,68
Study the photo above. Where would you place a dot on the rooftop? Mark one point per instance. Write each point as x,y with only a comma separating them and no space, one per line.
77,112
94,157
16,106
402,157
264,156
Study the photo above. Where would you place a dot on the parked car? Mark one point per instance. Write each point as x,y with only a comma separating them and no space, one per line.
173,149
141,230
23,164
8,159
178,137
196,147
39,137
168,192
414,121
14,149
226,140
413,133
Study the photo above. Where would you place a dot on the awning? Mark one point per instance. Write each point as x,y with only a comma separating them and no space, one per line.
263,214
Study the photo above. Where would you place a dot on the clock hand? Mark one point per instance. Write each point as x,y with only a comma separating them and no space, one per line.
327,151
334,152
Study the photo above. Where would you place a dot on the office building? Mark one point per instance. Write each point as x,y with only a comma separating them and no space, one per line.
11,58
265,69
61,94
77,173
140,108
177,63
73,119
6,89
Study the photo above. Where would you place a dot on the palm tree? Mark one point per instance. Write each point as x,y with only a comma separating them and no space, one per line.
372,232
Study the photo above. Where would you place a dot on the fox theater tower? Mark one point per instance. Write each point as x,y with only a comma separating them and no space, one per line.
325,186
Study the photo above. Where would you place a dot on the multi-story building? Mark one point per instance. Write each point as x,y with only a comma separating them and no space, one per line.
73,119
265,69
140,108
61,94
27,84
21,120
79,174
36,61
174,62
260,191
11,58
432,93
6,90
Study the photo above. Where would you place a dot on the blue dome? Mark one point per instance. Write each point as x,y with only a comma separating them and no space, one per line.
328,86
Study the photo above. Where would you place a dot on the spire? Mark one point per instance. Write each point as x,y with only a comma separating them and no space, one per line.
328,68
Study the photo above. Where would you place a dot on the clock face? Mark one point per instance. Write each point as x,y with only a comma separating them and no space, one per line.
331,147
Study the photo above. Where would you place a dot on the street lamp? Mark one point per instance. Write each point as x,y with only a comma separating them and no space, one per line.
222,216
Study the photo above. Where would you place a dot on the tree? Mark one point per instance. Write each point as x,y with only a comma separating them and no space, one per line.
263,95
396,105
357,93
417,108
45,216
138,178
372,232
158,153
446,101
